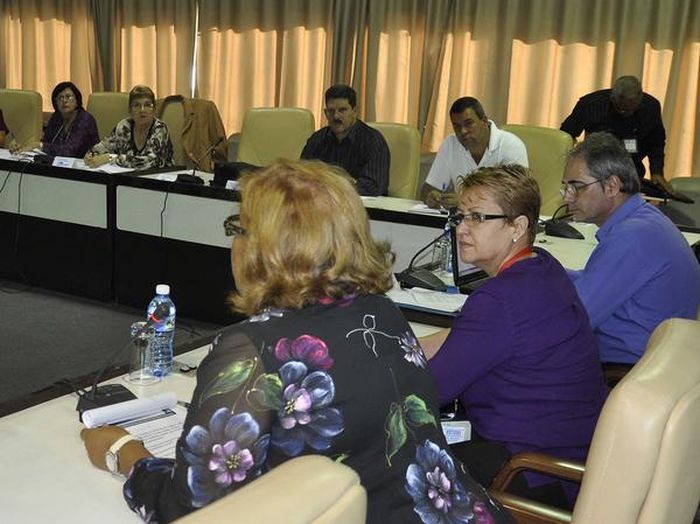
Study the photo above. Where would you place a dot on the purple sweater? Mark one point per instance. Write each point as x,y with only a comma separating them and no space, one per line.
522,358
75,141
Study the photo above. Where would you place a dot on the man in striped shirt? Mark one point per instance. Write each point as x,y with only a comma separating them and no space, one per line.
350,143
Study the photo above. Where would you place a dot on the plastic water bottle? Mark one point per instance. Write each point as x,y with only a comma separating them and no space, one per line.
446,250
163,332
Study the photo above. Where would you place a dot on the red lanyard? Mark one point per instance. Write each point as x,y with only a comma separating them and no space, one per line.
523,253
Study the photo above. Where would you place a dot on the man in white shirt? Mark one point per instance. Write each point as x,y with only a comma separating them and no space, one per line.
477,142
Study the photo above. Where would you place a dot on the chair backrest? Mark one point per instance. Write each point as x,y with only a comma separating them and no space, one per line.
108,108
679,212
173,115
269,133
22,112
309,489
546,153
644,461
404,146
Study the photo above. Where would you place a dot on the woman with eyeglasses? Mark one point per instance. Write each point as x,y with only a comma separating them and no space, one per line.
141,141
325,364
71,130
520,356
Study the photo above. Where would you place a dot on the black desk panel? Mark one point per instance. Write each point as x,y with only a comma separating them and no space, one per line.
56,228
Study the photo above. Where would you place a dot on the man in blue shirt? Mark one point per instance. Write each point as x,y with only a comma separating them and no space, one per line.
642,271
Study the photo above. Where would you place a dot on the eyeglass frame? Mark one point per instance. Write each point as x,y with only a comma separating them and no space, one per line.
573,190
474,218
231,229
68,98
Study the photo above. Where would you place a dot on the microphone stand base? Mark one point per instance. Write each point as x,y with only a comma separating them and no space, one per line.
103,396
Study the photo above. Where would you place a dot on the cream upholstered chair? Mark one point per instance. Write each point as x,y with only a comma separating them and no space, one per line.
309,489
174,118
108,108
22,112
269,133
404,146
546,153
644,462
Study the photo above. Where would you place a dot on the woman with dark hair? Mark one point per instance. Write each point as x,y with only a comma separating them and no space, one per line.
71,131
325,364
141,141
520,356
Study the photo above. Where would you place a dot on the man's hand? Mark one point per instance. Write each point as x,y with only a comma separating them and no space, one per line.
437,199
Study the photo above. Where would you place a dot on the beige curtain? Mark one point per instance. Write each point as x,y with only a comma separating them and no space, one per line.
263,53
529,61
156,45
45,43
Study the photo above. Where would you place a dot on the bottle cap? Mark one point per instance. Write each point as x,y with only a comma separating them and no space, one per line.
162,289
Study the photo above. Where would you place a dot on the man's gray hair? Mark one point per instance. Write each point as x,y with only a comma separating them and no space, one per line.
605,156
627,88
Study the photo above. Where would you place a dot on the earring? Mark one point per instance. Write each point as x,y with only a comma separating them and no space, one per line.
514,240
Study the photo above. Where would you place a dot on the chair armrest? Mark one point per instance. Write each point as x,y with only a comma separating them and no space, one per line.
539,462
526,511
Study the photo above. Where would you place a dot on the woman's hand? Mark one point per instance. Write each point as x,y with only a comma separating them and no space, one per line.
98,441
93,160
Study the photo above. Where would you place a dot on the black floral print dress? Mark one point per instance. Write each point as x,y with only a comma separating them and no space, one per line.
346,379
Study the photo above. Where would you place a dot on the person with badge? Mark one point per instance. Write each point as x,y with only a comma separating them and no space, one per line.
631,115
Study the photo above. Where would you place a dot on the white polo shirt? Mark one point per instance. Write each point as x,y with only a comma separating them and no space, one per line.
454,160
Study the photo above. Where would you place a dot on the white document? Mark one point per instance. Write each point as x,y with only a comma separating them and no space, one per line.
159,432
113,168
423,209
129,410
427,300
168,177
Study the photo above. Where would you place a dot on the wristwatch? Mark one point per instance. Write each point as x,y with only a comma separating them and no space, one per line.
112,455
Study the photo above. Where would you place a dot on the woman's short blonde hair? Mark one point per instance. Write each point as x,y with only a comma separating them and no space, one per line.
307,238
516,192
141,92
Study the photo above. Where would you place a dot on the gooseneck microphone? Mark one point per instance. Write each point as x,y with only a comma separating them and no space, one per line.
557,226
192,178
422,277
113,393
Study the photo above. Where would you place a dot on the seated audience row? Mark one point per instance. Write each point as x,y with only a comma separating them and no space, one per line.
141,141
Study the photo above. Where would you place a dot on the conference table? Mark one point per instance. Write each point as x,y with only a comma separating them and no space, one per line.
124,233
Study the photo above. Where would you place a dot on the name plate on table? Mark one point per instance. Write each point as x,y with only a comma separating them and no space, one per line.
63,161
457,430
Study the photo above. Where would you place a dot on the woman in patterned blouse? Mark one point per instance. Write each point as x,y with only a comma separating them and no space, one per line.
325,364
140,141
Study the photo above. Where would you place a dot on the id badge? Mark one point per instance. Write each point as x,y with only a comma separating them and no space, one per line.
630,145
